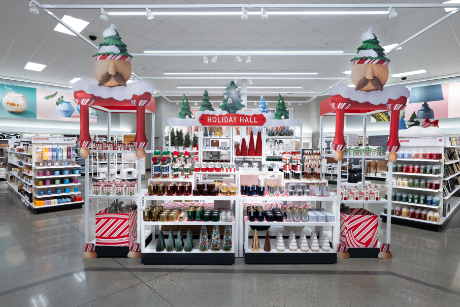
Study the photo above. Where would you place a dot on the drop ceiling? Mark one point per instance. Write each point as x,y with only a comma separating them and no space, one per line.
28,37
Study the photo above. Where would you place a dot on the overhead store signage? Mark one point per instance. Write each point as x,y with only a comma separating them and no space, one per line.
232,120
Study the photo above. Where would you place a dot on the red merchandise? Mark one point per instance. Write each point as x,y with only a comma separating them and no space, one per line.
251,151
259,144
238,152
359,228
244,149
116,229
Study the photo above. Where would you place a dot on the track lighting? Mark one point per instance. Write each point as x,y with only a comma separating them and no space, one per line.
255,103
248,59
103,15
263,14
244,15
392,13
196,103
238,59
177,103
33,8
214,59
205,60
289,103
250,81
149,13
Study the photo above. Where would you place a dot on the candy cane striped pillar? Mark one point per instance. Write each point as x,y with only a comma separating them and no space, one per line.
339,104
84,100
140,102
393,145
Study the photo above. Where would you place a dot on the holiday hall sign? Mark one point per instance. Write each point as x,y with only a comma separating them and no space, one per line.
232,120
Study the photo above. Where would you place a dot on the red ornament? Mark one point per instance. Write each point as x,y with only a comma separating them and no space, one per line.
259,144
238,152
244,149
251,151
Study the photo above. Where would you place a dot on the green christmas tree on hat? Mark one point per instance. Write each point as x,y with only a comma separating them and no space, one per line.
205,105
370,49
232,101
112,45
281,110
184,109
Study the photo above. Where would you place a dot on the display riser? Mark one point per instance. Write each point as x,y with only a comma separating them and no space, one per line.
45,209
290,258
363,252
414,223
188,258
112,251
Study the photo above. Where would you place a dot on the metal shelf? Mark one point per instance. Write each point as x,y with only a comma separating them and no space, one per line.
61,166
457,187
383,201
421,160
56,195
56,185
56,176
265,223
417,189
113,196
418,205
416,174
151,223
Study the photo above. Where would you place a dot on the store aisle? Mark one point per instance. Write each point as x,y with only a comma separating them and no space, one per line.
41,265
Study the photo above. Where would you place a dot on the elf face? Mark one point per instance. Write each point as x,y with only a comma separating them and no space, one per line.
369,77
112,73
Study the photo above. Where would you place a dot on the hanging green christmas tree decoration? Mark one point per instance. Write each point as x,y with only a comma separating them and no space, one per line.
160,242
205,105
413,121
227,244
184,109
203,238
179,241
232,101
188,241
281,110
170,245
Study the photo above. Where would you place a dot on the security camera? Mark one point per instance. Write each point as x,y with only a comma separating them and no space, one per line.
93,37
403,78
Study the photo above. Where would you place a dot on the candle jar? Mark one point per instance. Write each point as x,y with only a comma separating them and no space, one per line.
405,168
417,169
269,216
196,192
187,189
429,184
416,198
422,169
429,169
410,169
399,181
411,198
205,192
436,185
422,199
180,189
404,198
272,190
198,214
215,217
398,211
304,214
288,215
279,217
281,190
436,200
210,186
296,215
436,217
422,184
206,216
214,193
250,190
244,190
411,183
191,214
169,190
399,168
260,190
325,191
430,216
318,190
417,183
385,209
412,213
405,212
200,186
233,188
398,197
429,200
418,214
260,215
423,215
393,196
405,182
224,189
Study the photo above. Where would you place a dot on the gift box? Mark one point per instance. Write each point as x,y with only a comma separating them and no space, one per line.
358,228
116,229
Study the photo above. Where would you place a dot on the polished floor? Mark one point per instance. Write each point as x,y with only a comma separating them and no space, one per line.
41,265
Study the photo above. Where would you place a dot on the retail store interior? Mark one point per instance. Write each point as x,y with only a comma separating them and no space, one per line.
202,153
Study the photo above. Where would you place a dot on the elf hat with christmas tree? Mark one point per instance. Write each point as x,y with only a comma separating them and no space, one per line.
112,48
370,52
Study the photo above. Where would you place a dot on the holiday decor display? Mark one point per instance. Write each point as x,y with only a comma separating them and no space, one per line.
314,243
251,151
112,69
232,101
203,238
173,140
160,242
184,109
304,243
188,241
179,242
263,105
369,74
281,110
293,244
244,149
238,152
325,244
413,121
255,242
227,238
280,243
170,245
195,141
259,144
402,124
205,105
215,239
267,246
187,140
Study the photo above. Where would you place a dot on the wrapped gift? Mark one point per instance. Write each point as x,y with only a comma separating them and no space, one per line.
116,229
358,228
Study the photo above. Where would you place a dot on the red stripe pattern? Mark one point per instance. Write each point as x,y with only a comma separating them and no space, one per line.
341,247
427,123
112,57
385,247
116,229
369,61
359,228
90,247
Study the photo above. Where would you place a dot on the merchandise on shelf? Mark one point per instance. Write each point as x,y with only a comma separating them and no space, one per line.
227,244
267,245
160,242
187,213
368,193
203,238
358,227
280,243
417,153
304,243
255,242
170,244
179,241
115,188
365,151
298,213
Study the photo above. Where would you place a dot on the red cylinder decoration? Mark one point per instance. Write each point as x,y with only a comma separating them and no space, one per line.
339,104
84,100
395,106
140,102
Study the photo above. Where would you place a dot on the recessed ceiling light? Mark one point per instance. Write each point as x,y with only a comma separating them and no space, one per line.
74,80
348,72
450,9
410,73
34,66
77,24
389,47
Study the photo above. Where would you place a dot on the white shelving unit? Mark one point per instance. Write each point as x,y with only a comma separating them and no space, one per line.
16,159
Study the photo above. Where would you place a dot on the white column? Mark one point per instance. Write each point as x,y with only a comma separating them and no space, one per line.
244,92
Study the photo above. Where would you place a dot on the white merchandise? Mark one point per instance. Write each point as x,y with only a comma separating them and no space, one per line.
325,244
314,244
304,243
280,244
293,244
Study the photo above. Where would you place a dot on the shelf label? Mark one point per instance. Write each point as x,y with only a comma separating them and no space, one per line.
232,120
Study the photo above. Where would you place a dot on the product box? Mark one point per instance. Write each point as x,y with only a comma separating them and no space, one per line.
372,167
381,166
116,229
214,143
359,228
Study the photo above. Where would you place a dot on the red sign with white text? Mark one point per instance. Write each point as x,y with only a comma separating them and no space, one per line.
232,120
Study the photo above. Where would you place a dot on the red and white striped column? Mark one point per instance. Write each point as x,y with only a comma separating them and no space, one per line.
141,102
339,104
393,145
84,100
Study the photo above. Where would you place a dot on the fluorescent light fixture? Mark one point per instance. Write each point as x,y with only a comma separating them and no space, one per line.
240,73
389,47
410,73
103,15
249,86
244,14
392,13
250,81
77,24
74,80
238,59
149,14
263,14
451,9
243,51
347,72
33,8
34,66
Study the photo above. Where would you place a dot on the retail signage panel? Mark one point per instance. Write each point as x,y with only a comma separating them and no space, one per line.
232,120
18,101
417,142
51,139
